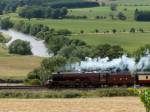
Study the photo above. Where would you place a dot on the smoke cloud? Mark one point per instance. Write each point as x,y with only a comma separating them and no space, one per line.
123,63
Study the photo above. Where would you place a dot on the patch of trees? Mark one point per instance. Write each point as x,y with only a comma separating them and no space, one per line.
41,12
5,23
141,51
20,47
107,50
44,72
81,4
11,5
142,15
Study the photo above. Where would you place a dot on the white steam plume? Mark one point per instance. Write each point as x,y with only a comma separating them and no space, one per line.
123,63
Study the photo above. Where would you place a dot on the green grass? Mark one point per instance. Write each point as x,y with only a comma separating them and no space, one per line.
91,13
128,2
128,41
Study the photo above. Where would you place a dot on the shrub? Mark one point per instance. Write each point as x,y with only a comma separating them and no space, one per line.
5,23
64,32
35,82
121,16
20,47
2,39
132,30
145,97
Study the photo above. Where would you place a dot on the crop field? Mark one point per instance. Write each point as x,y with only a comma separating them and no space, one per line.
17,66
115,104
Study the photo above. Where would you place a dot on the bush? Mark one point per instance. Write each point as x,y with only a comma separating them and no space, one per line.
34,82
64,32
121,16
2,39
20,47
145,97
5,23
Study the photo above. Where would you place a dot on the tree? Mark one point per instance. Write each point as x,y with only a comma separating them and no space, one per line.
63,12
5,23
121,16
107,50
48,66
114,30
132,30
55,14
20,47
141,51
113,7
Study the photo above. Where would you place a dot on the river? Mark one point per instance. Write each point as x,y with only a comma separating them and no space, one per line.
38,47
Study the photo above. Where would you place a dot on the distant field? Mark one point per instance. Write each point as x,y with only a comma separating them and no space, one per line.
115,104
128,2
128,41
91,13
17,66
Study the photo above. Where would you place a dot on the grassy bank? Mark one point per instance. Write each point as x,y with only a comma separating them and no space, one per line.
111,92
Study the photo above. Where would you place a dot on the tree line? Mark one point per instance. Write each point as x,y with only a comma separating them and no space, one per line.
79,4
142,15
41,12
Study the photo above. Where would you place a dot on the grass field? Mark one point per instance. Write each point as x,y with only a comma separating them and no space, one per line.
17,66
129,41
115,104
91,13
128,2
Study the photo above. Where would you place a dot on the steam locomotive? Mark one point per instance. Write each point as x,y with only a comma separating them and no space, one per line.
96,79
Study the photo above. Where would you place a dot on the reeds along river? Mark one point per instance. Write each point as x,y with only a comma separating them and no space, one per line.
38,47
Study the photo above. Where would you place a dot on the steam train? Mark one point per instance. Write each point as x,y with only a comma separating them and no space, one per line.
96,79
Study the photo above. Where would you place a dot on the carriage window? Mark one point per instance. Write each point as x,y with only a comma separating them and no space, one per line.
146,77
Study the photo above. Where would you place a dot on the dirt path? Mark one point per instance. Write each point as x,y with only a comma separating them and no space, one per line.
116,104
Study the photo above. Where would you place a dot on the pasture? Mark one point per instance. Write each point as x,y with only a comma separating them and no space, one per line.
114,104
127,2
129,41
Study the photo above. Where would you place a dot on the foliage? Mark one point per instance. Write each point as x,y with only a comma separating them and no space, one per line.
142,15
107,50
145,97
64,32
20,47
121,16
48,66
5,23
80,4
42,12
142,51
2,39
113,7
67,93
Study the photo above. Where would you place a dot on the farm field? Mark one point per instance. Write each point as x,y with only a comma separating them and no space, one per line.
114,104
17,66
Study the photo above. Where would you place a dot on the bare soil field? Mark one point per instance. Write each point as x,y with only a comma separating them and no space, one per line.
115,104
